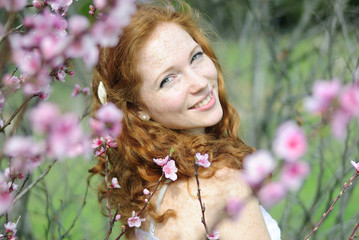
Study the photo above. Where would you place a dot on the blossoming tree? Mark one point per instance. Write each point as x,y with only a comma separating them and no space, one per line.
39,42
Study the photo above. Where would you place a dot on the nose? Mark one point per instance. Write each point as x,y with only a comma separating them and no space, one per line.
197,82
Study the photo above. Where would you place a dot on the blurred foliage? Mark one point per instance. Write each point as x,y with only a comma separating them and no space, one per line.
229,17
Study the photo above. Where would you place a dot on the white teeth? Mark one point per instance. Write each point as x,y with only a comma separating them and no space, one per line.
203,102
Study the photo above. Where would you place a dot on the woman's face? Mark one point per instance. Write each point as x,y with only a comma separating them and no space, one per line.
179,82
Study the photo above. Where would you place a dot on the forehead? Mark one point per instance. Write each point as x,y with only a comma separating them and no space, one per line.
167,43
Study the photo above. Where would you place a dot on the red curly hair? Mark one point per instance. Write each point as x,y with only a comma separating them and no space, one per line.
141,141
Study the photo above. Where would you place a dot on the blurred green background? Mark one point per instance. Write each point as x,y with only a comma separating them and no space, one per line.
272,51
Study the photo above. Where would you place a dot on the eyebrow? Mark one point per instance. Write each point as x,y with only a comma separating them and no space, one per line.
158,78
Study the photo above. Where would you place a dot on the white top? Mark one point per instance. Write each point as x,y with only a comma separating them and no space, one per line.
271,224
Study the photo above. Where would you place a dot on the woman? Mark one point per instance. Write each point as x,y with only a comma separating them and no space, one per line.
166,79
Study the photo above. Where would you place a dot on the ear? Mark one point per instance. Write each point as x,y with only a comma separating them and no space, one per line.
143,115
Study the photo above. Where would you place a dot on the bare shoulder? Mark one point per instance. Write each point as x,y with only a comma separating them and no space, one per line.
181,196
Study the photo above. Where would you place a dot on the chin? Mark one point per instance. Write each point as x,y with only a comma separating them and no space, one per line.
217,117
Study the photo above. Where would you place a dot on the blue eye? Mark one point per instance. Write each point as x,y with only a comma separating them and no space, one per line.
196,56
164,81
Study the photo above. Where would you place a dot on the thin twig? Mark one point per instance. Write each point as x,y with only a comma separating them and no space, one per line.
144,207
354,230
203,208
108,192
28,188
8,122
23,184
346,185
78,213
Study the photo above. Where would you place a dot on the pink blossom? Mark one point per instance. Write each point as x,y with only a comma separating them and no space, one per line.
11,226
107,31
38,4
202,160
290,142
2,101
257,167
324,92
84,47
29,62
161,161
170,170
60,6
114,183
349,100
76,90
26,154
66,138
78,24
86,91
14,5
100,4
355,165
5,201
339,123
11,81
146,191
293,174
91,56
96,142
52,46
108,121
38,84
135,221
234,207
118,217
111,142
271,193
213,235
100,152
43,116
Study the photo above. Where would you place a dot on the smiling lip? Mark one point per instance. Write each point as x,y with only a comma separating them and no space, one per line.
206,103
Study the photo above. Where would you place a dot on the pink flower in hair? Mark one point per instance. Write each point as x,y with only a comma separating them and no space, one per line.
161,161
97,142
111,142
135,221
99,152
114,183
202,160
170,170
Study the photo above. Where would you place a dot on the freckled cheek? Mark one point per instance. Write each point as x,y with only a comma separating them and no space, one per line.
174,102
210,71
